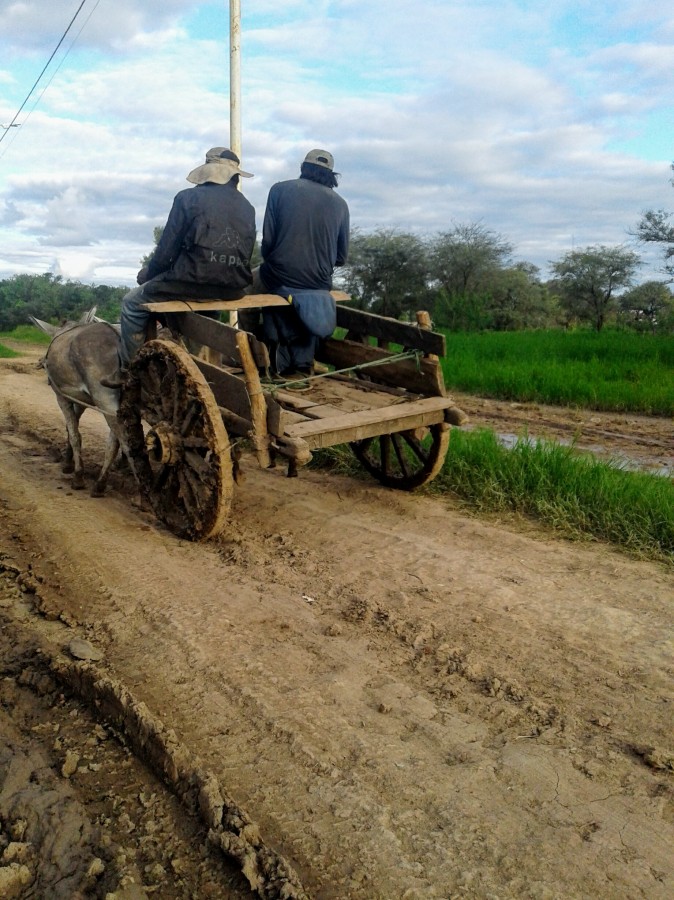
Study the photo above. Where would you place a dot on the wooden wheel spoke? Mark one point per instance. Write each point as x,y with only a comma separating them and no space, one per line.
399,446
385,453
421,452
149,401
197,463
196,442
153,377
190,489
189,418
176,411
153,384
167,390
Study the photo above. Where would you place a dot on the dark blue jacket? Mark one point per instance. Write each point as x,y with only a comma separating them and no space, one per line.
206,246
305,235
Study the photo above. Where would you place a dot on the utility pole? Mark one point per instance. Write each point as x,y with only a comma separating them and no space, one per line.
235,76
235,96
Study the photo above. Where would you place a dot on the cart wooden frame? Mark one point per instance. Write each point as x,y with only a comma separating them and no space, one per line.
379,388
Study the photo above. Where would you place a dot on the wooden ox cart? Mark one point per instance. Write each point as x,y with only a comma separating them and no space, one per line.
379,388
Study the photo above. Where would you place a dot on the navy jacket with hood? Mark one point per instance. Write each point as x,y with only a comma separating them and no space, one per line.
205,249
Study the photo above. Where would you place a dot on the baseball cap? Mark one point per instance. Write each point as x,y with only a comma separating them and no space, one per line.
320,158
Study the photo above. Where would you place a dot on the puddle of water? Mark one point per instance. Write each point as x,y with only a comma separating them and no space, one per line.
656,465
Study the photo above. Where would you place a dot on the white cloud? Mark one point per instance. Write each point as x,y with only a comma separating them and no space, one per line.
468,112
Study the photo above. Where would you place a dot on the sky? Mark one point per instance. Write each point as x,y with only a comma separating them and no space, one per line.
549,124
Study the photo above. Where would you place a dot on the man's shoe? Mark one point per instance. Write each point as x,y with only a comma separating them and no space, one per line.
298,372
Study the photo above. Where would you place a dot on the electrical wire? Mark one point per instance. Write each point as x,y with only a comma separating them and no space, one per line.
53,74
37,80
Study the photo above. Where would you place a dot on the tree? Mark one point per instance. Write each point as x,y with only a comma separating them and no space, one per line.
157,232
463,260
655,227
648,307
387,272
461,312
517,300
22,296
49,298
589,278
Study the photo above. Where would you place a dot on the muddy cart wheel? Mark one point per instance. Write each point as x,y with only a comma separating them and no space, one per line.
177,441
405,459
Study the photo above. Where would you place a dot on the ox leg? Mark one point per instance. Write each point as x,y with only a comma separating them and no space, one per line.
68,466
111,451
72,413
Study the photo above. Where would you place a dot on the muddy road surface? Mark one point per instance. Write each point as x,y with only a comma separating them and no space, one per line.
351,694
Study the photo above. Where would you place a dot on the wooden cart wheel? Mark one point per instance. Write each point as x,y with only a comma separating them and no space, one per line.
405,459
177,441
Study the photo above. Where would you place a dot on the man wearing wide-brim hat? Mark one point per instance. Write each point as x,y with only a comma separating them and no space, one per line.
204,251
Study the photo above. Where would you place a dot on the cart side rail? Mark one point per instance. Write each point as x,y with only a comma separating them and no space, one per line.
418,375
390,331
222,338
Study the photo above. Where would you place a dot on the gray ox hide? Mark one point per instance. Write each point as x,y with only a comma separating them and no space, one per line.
79,355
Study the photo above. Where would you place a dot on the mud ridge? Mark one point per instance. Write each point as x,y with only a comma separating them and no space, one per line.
230,827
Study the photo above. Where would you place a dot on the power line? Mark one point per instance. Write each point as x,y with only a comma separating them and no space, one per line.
37,80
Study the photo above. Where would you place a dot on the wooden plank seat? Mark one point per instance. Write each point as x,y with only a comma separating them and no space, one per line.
250,301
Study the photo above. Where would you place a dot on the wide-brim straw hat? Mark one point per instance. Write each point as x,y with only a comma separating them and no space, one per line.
220,166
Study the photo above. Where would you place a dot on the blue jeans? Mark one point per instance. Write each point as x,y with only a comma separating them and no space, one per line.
134,321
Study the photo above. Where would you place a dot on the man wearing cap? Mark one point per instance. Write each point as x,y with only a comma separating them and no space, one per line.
203,254
305,236
306,227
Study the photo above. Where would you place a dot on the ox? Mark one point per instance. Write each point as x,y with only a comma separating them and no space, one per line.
79,355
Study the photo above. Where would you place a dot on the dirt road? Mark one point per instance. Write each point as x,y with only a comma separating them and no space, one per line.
355,693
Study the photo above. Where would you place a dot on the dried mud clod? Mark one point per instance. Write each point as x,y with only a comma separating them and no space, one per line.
656,757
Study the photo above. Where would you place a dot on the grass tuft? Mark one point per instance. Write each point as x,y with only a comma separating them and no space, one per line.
26,334
6,353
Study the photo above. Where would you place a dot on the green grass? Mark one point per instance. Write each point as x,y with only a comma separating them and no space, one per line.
616,371
575,494
572,492
26,334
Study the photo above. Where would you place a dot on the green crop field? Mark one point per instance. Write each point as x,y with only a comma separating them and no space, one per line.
612,370
25,334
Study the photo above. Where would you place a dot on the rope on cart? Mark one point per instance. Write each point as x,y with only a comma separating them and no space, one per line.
396,357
